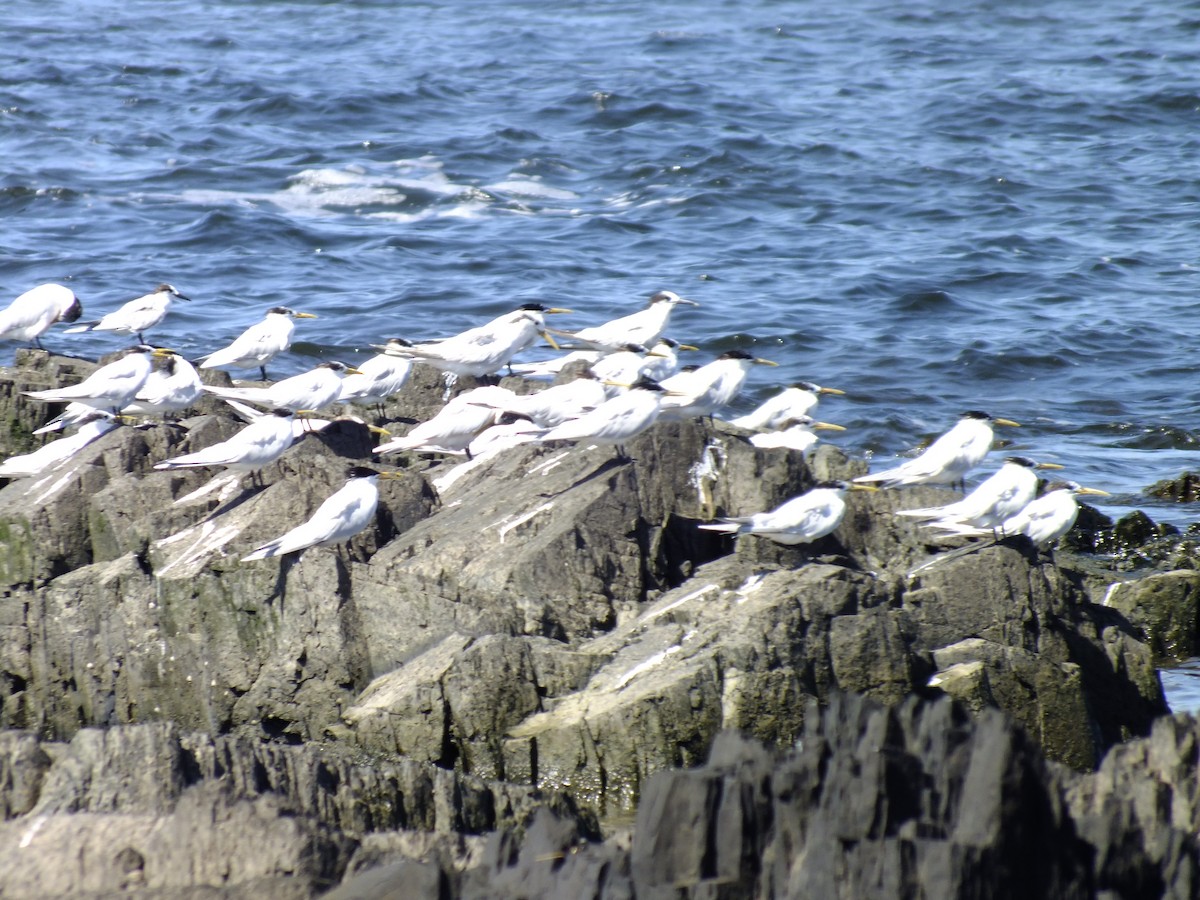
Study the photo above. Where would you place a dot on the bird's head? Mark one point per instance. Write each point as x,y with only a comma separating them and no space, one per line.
289,312
670,297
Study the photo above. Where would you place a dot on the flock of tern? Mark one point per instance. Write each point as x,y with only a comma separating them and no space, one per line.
628,378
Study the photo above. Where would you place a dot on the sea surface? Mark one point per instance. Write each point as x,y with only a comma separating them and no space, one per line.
934,207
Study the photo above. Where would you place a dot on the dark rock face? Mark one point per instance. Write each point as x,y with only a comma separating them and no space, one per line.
1184,489
153,808
546,620
916,799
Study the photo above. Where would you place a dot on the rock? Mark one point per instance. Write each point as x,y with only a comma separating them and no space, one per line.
1042,646
545,628
1184,489
1136,543
1166,606
1137,528
534,573
202,841
114,811
1140,812
872,800
915,800
23,766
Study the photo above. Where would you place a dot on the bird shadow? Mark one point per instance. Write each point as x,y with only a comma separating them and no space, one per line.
279,591
245,495
825,551
609,465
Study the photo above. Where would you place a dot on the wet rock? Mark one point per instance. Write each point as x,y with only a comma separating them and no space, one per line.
1092,532
1137,528
1184,489
1134,544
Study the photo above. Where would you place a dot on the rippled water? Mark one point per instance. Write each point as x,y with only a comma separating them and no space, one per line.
935,207
1181,684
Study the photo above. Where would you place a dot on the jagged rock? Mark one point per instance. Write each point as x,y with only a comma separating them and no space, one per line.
744,644
202,841
550,616
156,809
1072,673
912,800
1141,813
1166,606
917,799
583,540
23,766
1184,489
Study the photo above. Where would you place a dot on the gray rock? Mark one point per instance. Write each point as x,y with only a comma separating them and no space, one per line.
82,818
1141,812
1166,606
23,766
202,841
508,631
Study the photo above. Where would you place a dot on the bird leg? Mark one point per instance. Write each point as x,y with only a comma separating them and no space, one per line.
263,369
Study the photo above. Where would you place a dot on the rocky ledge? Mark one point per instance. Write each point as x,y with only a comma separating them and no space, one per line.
479,694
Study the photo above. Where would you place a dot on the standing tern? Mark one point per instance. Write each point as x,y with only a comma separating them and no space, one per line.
797,433
1005,493
259,444
482,350
343,515
92,425
1047,518
800,520
562,402
948,459
644,327
376,379
173,385
32,313
260,343
112,386
711,387
616,420
623,366
456,424
510,430
794,401
662,360
314,389
137,316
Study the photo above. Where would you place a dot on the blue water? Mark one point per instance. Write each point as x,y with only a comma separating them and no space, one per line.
935,207
1181,684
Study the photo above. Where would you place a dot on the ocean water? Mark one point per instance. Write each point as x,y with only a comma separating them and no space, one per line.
1181,684
935,207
